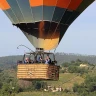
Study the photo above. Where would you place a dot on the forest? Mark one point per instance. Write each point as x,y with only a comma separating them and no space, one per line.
74,79
10,61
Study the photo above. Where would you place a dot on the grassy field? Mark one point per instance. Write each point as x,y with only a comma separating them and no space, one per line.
66,81
38,93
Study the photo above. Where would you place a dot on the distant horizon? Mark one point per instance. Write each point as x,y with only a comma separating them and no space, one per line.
77,54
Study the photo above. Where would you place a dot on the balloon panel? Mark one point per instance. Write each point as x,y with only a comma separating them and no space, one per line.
63,3
49,3
48,13
4,5
37,13
73,5
26,10
58,14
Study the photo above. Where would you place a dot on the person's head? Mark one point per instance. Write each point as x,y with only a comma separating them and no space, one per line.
27,59
47,57
41,57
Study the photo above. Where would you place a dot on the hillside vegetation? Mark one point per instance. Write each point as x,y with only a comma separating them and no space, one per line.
74,80
10,61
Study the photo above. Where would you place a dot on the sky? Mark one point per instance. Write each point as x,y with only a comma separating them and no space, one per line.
80,38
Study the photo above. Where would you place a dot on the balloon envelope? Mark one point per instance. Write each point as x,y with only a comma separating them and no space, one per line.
43,22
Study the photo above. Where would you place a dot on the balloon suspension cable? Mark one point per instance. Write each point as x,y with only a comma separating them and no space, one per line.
26,47
55,50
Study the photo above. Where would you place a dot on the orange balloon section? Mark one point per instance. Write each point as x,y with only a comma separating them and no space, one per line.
43,22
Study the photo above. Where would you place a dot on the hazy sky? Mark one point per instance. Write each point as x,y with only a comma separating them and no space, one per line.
79,38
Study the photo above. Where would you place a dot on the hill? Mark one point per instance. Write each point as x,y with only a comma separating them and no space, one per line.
68,57
71,81
11,61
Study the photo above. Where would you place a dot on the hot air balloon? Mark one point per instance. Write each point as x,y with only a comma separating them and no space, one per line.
43,22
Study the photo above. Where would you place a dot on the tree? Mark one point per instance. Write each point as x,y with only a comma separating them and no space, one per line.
86,88
1,84
66,64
